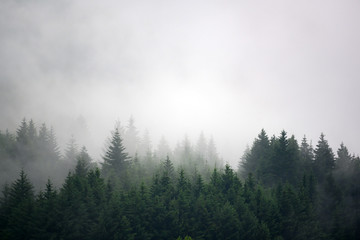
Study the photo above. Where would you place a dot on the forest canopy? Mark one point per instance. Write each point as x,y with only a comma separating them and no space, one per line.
283,189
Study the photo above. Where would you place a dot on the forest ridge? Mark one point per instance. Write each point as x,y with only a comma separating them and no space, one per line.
281,189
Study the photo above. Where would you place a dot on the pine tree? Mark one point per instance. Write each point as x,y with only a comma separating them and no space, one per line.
168,169
256,161
46,219
43,134
293,164
54,151
186,154
306,155
20,224
324,159
343,159
213,158
278,166
201,151
22,132
83,164
71,151
116,162
32,132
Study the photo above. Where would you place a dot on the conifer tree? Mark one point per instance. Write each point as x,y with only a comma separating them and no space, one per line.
257,159
293,164
324,159
43,134
71,151
47,213
306,155
116,162
22,132
21,204
32,132
168,169
83,164
53,144
343,159
201,150
213,156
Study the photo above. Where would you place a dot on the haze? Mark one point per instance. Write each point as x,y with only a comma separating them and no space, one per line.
227,68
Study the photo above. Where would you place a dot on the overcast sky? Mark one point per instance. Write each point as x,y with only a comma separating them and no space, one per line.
228,68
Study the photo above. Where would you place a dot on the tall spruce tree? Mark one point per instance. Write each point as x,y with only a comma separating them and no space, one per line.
257,158
343,159
324,159
22,132
83,164
71,151
213,158
116,159
21,204
306,155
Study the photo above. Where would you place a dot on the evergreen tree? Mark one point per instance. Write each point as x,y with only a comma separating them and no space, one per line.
71,151
306,155
186,154
53,146
22,132
257,159
168,169
324,159
83,164
201,150
343,159
116,162
47,213
32,132
213,158
19,224
293,164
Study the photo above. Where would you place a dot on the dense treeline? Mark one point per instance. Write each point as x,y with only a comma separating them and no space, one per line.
282,190
36,151
334,180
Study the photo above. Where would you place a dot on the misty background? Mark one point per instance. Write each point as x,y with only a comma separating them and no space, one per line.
227,68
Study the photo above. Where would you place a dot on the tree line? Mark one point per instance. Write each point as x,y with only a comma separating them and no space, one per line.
281,190
36,151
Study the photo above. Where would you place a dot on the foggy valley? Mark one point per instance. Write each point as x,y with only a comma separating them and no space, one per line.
179,120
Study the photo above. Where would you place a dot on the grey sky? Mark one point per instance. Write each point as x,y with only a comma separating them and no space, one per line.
228,68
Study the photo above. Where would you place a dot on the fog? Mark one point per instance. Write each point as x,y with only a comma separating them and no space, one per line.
227,68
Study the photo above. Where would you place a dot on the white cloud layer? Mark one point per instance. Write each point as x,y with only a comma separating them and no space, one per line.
228,68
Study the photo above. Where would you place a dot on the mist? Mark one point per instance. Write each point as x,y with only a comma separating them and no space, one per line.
225,68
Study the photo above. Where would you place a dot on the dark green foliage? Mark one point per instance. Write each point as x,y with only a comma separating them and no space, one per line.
46,213
324,161
306,155
256,160
83,163
116,162
18,210
288,193
274,161
224,208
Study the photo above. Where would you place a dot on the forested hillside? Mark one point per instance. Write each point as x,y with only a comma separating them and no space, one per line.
282,189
